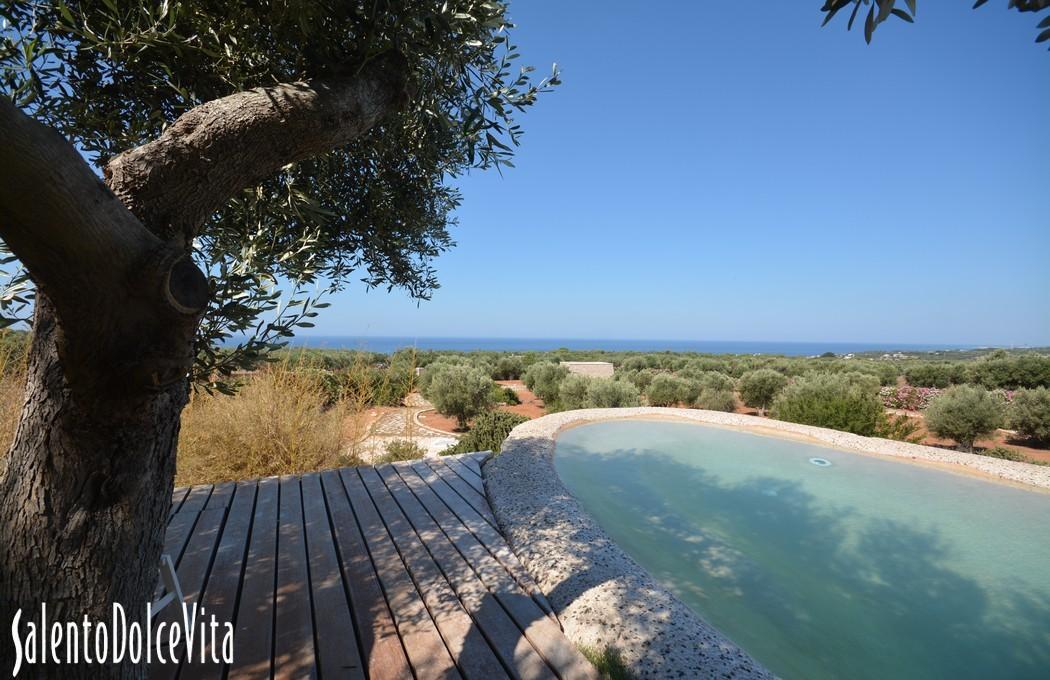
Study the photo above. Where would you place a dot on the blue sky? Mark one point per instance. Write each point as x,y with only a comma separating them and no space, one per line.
731,171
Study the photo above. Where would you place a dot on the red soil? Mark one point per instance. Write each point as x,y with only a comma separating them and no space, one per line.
432,418
531,406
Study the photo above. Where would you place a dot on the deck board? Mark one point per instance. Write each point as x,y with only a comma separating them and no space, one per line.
477,500
391,572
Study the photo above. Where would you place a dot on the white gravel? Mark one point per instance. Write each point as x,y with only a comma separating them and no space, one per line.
602,596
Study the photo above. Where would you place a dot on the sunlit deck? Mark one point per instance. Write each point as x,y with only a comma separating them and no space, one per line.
394,571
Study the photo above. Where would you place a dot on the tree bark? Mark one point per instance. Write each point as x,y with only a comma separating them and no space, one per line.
88,481
85,497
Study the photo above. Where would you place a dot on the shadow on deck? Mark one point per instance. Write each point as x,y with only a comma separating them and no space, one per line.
394,571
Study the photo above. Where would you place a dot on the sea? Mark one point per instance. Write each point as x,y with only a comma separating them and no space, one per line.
388,344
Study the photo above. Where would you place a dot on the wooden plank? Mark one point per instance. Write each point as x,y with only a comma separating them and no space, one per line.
485,532
224,582
177,497
293,652
181,524
429,656
469,494
192,570
542,631
380,645
337,651
473,655
503,635
476,460
253,636
466,474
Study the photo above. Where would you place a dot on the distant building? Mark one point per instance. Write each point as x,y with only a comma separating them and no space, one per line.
593,369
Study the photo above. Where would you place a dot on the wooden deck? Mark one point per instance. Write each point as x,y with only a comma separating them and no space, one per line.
394,571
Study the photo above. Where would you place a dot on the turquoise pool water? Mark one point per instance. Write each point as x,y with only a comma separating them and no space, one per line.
866,568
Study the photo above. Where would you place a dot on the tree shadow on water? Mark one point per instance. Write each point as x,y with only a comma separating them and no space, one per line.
813,590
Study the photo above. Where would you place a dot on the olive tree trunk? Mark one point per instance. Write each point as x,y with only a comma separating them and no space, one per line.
87,483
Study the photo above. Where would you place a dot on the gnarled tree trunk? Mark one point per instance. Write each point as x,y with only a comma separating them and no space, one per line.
84,501
88,481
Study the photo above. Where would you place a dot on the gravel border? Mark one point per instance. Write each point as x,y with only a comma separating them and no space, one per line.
602,596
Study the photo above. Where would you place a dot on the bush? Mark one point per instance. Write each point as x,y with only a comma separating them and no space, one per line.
908,398
964,413
900,428
1003,453
606,393
759,388
400,449
828,400
572,394
1000,370
278,423
666,390
640,379
1029,414
505,395
635,364
715,380
488,432
941,374
508,368
460,391
543,379
716,400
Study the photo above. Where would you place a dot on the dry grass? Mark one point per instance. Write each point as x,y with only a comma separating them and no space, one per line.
12,388
279,422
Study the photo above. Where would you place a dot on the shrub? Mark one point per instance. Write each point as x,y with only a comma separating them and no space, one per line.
715,380
941,374
543,379
759,388
901,428
277,423
665,390
828,400
487,433
460,391
716,400
400,449
638,363
640,379
1000,370
1029,414
572,394
964,413
606,393
908,398
505,395
508,368
1003,453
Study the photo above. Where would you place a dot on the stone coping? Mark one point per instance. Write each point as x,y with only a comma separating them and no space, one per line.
602,596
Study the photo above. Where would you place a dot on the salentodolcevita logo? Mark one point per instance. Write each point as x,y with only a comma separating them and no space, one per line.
197,637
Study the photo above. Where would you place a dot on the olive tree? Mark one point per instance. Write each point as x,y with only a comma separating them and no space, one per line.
572,393
460,391
608,393
1030,414
163,166
759,388
877,11
544,380
666,390
964,413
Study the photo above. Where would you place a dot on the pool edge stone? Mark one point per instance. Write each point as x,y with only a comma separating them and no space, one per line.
601,595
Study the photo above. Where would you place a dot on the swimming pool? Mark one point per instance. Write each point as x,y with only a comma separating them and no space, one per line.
864,568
